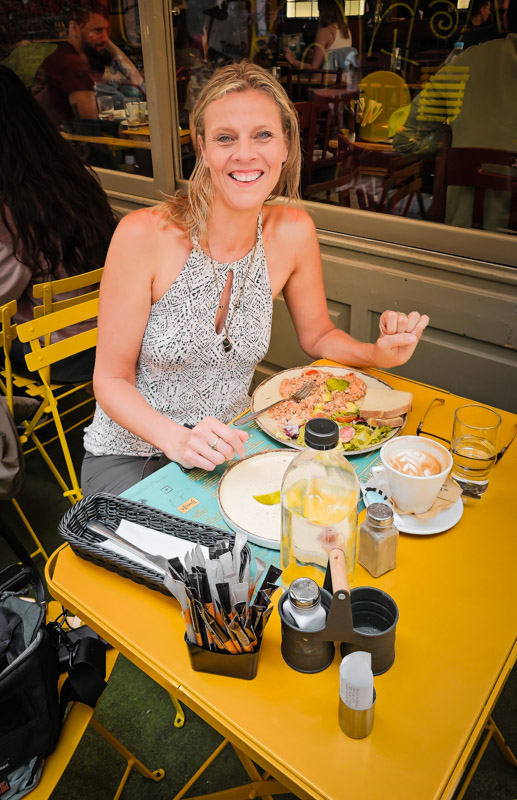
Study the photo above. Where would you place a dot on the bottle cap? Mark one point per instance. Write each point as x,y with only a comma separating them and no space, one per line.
380,515
321,434
459,45
304,593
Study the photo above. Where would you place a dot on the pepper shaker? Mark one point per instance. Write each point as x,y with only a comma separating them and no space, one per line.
378,540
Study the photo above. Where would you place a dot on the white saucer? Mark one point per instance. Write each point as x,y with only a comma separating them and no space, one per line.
444,520
258,474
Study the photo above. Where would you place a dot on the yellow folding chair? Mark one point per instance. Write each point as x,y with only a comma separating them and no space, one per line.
77,720
7,335
53,298
51,292
44,354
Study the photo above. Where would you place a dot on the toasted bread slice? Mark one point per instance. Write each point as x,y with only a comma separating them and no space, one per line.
393,422
384,403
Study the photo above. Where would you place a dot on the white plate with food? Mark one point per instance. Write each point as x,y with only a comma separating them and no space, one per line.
367,410
257,476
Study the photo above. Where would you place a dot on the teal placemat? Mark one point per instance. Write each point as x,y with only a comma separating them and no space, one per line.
193,494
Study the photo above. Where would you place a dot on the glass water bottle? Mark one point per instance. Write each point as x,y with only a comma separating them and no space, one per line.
319,498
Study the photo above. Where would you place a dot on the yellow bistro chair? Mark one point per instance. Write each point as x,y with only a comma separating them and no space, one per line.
7,335
51,295
77,720
44,354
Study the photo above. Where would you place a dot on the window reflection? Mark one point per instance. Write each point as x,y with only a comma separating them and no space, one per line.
83,63
381,111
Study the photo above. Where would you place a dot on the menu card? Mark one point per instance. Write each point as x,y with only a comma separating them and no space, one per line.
193,493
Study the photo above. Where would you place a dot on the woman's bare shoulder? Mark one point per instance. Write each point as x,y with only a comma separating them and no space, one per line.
287,222
148,222
147,230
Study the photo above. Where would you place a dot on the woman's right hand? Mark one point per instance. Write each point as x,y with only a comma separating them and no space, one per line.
207,445
288,55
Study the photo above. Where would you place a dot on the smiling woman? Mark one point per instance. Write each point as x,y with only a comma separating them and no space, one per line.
191,284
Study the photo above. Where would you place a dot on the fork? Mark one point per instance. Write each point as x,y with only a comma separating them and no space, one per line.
98,527
303,392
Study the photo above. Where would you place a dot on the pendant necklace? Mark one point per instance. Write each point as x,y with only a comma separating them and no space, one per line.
227,345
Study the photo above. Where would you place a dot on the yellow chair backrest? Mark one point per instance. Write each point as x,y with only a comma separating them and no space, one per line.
382,93
43,356
46,292
8,334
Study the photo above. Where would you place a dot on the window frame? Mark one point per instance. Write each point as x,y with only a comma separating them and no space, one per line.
127,191
157,50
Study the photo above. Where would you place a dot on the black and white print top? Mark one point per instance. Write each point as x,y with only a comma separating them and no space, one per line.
182,370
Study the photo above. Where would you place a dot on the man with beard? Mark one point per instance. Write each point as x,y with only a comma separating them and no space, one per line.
65,81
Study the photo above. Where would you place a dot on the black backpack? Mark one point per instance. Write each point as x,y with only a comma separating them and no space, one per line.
32,654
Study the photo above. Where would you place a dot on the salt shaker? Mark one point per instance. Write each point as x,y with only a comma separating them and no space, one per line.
378,540
304,605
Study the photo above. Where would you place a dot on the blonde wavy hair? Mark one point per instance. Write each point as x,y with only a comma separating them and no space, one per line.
190,212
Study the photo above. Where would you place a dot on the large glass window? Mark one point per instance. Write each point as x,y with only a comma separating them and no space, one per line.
407,108
83,63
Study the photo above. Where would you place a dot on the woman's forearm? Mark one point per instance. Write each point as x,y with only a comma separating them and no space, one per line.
121,400
336,345
209,443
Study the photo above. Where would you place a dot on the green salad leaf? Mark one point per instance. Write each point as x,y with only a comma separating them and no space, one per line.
366,437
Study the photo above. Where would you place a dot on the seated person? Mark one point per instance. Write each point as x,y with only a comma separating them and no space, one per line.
65,81
55,220
333,47
187,295
479,27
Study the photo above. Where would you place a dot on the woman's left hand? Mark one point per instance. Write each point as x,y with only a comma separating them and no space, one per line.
399,337
288,55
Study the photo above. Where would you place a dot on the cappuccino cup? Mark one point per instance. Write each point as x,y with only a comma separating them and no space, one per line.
416,469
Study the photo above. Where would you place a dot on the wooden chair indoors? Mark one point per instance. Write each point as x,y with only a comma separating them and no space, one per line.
324,170
300,81
371,62
472,167
401,185
384,181
69,404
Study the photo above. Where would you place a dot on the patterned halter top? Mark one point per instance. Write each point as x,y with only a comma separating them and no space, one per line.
182,370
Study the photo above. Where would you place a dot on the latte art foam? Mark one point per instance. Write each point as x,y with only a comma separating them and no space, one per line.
417,463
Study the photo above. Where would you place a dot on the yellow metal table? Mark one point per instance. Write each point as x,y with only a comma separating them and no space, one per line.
455,648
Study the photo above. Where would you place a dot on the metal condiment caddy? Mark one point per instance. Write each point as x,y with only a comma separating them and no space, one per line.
364,618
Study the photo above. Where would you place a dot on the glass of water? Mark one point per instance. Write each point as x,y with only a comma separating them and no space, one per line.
105,106
133,113
474,446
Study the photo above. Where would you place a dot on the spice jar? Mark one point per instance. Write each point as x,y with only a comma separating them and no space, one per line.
378,540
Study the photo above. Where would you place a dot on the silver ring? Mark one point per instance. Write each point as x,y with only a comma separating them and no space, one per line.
214,445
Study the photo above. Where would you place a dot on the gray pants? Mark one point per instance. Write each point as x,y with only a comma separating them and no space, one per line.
115,474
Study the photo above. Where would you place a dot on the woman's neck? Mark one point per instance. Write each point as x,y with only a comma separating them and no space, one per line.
230,236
